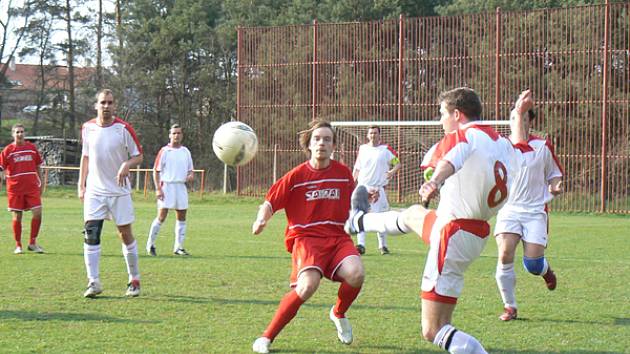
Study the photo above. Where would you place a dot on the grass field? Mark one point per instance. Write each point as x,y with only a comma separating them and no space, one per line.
222,297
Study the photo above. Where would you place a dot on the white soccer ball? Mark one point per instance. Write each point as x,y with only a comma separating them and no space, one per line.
235,143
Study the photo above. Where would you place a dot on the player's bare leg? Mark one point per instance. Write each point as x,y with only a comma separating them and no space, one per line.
180,233
130,252
154,230
352,272
436,328
16,223
505,275
307,283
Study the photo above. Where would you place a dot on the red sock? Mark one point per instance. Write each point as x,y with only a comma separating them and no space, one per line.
287,309
345,298
35,224
17,232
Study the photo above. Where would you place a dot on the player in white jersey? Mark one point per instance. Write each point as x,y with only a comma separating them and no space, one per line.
474,164
376,164
173,168
524,216
110,149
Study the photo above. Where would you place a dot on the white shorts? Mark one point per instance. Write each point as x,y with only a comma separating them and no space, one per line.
118,208
454,246
175,196
532,227
381,204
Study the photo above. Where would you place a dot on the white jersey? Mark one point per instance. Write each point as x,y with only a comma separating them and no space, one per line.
484,164
107,148
174,164
373,162
530,191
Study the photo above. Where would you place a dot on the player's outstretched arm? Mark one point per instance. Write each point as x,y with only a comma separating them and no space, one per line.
264,214
524,103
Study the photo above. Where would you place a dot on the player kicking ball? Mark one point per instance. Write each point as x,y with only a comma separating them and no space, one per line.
316,198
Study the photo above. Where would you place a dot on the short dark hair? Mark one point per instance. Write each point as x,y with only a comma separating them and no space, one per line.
175,126
375,127
531,114
305,135
463,99
105,92
17,125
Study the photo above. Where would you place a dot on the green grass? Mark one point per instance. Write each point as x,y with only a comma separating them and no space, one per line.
222,297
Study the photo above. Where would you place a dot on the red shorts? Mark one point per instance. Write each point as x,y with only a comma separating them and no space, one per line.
22,202
322,253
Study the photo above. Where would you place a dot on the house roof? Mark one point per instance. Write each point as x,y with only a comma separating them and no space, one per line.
26,76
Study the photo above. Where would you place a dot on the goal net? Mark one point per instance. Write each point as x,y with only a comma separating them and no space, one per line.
411,139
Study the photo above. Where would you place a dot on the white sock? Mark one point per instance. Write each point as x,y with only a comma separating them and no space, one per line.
382,239
130,252
386,222
153,232
92,257
361,238
506,281
457,342
180,234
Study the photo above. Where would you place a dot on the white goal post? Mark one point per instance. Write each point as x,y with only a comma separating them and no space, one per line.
411,139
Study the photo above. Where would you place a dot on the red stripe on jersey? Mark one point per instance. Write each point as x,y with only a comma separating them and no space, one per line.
391,149
156,165
523,146
486,129
551,150
445,145
553,154
131,132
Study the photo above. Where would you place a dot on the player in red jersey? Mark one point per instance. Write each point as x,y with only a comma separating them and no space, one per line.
316,198
20,162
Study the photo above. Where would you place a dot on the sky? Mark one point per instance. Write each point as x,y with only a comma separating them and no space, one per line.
59,36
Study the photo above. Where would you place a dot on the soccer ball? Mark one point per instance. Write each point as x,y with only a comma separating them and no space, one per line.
235,143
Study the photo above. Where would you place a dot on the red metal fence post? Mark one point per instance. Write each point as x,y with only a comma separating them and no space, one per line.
604,109
497,65
401,52
314,78
239,46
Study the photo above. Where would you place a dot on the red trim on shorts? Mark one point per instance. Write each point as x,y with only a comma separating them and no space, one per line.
479,228
427,226
433,296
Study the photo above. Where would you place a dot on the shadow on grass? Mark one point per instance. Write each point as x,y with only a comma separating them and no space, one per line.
622,321
62,316
512,351
324,306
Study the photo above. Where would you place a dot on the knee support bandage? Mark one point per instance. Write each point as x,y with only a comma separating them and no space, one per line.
92,232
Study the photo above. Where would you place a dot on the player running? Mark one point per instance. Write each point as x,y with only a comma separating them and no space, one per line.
20,161
524,217
473,164
316,198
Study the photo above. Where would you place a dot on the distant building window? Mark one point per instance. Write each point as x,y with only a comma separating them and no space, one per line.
16,82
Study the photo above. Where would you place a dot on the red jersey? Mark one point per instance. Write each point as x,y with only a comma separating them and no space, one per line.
317,202
20,163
